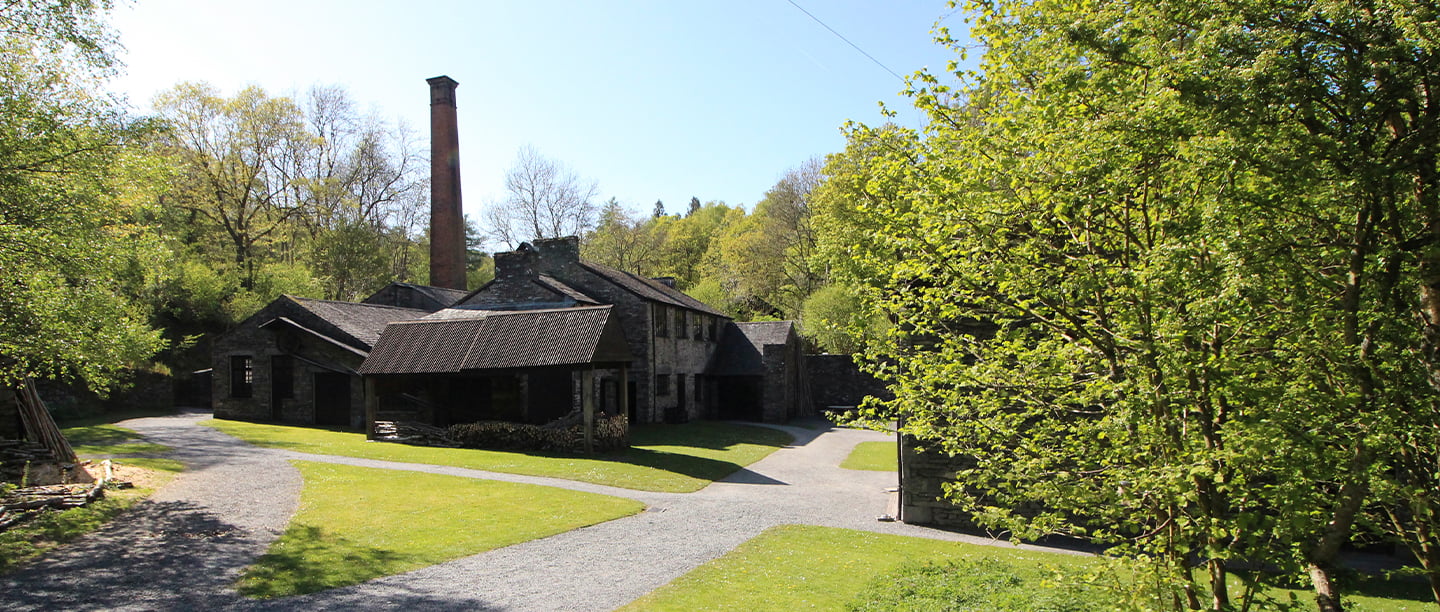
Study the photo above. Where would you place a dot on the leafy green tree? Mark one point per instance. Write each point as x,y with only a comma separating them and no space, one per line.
1156,272
236,154
71,256
767,259
624,242
834,319
694,206
659,209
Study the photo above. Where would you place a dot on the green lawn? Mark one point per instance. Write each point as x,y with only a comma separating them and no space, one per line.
872,456
103,439
355,524
796,567
669,458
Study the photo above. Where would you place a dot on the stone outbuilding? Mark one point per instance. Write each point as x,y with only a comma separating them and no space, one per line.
760,373
673,337
297,361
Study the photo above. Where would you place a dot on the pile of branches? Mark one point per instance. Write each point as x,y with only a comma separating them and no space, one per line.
23,504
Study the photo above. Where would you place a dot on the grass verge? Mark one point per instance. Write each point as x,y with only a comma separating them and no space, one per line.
806,567
103,439
355,524
872,456
668,458
53,528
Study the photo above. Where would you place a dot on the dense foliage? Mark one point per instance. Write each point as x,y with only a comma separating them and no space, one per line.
72,183
1162,272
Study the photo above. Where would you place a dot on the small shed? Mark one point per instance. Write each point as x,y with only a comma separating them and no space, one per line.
760,373
463,365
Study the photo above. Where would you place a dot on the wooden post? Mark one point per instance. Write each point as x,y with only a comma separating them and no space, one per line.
372,407
587,404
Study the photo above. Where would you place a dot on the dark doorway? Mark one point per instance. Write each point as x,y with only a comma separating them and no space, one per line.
609,396
282,383
630,398
550,395
739,397
332,399
680,393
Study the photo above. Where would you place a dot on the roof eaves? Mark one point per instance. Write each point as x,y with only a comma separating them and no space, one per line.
292,323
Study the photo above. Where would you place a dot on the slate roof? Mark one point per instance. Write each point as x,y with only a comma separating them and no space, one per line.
455,340
358,323
553,284
444,296
424,297
650,289
742,347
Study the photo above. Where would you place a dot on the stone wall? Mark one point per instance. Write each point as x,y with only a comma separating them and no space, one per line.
310,356
922,479
835,380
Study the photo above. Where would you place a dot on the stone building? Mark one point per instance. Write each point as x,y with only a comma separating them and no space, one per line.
297,361
761,372
672,337
550,333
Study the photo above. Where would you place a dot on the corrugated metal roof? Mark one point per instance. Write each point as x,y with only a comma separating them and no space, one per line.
650,289
456,340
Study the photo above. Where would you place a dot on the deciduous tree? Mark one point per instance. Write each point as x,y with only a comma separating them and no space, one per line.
544,199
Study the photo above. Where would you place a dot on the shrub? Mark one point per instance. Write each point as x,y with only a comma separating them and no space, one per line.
975,585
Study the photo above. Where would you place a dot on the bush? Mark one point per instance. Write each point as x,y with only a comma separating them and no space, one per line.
611,433
975,585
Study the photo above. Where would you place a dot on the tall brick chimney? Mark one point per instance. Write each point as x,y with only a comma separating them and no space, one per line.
447,222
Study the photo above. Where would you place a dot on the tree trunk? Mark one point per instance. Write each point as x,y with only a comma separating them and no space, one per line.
1326,599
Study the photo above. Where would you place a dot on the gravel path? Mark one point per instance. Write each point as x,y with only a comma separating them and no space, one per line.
182,549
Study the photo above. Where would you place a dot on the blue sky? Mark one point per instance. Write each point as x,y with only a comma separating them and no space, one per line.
652,100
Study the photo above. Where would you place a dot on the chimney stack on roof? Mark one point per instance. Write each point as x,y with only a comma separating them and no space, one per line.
447,221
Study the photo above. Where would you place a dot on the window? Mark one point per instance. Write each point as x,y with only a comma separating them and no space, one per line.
662,385
242,375
698,332
662,320
714,329
282,376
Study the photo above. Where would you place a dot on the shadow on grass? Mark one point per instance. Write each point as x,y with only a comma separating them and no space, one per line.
307,560
702,468
707,434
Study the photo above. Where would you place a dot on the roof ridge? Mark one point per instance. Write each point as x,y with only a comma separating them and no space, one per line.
298,299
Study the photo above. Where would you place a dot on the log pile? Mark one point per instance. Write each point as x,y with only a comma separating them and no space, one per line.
16,457
22,504
409,432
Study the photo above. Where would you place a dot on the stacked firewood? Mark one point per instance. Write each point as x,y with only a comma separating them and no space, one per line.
20,505
17,455
409,432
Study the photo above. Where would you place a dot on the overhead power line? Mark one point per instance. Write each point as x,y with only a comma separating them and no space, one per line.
847,41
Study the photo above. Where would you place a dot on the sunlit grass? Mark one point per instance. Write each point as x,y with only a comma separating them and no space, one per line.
872,456
355,524
107,440
796,567
670,458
